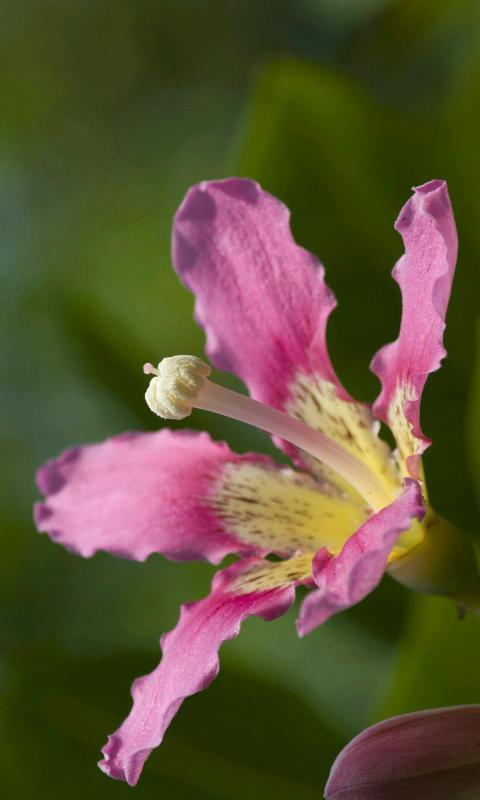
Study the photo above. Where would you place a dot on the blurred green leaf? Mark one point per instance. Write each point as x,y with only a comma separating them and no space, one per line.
318,668
438,661
473,427
243,738
408,49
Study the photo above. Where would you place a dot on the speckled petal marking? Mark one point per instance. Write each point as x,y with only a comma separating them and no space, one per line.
319,404
282,511
265,575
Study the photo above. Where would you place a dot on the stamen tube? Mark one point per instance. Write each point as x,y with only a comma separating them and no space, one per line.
181,383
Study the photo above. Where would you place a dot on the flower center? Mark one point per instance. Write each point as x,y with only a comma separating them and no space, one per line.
181,383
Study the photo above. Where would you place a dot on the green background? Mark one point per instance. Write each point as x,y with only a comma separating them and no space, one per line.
110,110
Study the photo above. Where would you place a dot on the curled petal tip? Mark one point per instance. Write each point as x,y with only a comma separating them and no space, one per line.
430,186
112,765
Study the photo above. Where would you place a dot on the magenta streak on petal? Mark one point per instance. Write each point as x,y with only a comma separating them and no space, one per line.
346,579
424,274
138,494
261,298
189,663
427,755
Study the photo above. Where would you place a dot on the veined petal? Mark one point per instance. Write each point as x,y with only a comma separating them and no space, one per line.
264,305
279,510
261,298
424,274
347,578
323,407
187,497
190,660
428,755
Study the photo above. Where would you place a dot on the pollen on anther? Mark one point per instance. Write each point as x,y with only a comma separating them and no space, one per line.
175,385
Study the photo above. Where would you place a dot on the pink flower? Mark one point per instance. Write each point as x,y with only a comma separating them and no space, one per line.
428,755
351,509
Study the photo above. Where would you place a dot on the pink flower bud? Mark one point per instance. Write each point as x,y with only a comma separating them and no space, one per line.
427,755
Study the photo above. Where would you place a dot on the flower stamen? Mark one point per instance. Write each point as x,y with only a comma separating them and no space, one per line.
181,383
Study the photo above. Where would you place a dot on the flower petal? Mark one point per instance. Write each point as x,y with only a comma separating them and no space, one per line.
190,658
187,497
346,579
264,305
424,274
428,755
261,298
282,511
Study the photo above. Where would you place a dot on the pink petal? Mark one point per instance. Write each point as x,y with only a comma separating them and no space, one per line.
189,663
346,579
261,298
428,755
264,305
424,274
185,496
138,494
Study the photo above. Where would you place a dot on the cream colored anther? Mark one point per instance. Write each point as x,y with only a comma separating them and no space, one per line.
177,383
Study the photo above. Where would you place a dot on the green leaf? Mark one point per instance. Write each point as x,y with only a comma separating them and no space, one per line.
473,422
242,738
438,660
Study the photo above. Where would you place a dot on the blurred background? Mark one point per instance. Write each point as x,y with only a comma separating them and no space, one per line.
109,111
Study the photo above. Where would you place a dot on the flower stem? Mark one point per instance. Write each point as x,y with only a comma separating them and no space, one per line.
443,563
